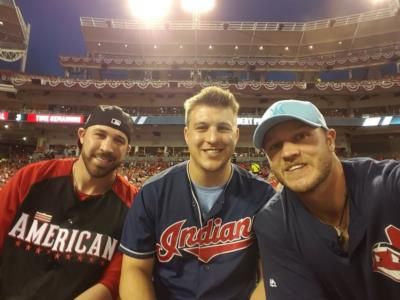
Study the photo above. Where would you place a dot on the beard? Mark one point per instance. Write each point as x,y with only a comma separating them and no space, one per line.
97,171
309,185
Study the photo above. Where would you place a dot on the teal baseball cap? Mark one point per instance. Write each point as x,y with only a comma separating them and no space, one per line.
286,110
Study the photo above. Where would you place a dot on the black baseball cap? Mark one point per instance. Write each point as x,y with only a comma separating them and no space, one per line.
112,116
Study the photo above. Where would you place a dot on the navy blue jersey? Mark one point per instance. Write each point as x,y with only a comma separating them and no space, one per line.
301,256
210,257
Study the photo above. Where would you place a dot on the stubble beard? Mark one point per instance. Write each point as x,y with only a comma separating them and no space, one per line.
95,171
323,173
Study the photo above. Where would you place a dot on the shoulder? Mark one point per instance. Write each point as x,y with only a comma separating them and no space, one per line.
272,212
370,171
250,182
38,171
363,164
247,176
171,183
277,219
26,177
172,173
125,190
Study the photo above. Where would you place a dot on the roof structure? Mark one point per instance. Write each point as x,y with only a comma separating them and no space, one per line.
369,38
14,34
174,52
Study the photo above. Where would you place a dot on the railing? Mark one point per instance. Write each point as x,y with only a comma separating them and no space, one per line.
24,26
334,59
244,26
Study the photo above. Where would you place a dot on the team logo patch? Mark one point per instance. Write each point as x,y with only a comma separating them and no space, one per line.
206,242
116,122
386,256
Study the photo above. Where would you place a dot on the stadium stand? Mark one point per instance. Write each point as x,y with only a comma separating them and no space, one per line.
349,66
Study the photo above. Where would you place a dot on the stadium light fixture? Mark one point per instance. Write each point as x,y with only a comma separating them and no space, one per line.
196,6
378,1
150,10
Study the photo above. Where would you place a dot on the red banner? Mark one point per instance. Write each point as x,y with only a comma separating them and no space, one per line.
4,116
57,119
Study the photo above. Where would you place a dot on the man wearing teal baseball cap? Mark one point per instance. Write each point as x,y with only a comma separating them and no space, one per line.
333,232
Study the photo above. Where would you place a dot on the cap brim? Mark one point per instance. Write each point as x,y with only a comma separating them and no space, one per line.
266,125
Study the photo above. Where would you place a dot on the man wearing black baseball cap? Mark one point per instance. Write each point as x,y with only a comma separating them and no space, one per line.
333,231
61,220
112,116
105,121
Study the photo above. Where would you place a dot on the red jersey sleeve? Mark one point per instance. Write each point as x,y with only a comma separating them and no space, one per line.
11,197
112,274
14,192
126,192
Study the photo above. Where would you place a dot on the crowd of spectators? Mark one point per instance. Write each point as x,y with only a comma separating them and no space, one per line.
9,167
136,171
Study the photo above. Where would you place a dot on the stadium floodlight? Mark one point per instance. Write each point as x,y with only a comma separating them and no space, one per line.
377,1
150,10
197,6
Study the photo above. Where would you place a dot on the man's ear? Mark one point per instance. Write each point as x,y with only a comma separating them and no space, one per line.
81,134
185,134
331,139
237,134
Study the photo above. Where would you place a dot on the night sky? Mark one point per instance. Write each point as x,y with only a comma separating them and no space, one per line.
55,28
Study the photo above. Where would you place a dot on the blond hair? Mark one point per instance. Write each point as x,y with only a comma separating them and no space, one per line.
211,96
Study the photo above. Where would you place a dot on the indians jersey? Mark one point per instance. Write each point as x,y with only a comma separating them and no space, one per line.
198,257
53,245
302,258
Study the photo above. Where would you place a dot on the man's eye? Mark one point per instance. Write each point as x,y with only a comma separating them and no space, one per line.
225,129
300,136
274,147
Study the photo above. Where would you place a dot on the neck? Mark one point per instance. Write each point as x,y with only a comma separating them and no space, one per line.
88,184
210,179
328,201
